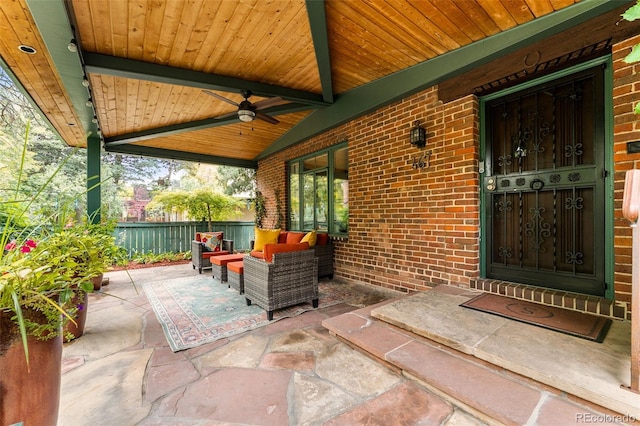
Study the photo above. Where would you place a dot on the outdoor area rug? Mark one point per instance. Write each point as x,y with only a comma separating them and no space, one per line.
196,310
590,327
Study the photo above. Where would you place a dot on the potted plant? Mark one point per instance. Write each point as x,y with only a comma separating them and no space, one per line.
41,272
39,279
92,247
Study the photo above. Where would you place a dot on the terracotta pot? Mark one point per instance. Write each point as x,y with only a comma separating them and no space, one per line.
28,394
81,299
97,282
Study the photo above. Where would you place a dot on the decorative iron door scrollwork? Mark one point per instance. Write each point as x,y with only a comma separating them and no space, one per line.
542,185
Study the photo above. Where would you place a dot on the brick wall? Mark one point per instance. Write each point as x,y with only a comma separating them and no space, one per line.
626,128
411,228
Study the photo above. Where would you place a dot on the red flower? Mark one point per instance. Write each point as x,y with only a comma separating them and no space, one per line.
28,245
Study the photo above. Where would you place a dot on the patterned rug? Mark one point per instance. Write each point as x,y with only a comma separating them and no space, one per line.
199,309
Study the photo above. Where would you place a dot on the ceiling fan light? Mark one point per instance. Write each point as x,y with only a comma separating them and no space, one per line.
246,115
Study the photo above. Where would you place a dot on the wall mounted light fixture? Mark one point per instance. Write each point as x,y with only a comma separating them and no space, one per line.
418,135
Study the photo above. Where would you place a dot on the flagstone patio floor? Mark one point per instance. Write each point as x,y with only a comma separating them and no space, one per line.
304,370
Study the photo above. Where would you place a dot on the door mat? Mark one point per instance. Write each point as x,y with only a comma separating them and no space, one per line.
590,327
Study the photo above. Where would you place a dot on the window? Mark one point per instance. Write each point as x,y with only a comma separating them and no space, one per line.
319,191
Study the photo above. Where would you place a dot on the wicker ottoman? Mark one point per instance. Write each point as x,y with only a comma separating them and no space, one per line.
235,273
219,265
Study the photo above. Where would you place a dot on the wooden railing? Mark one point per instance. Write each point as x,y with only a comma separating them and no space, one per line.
174,237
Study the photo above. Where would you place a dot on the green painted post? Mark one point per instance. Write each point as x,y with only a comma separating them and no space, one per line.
93,179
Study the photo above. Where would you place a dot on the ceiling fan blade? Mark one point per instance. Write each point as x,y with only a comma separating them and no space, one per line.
222,98
264,117
266,103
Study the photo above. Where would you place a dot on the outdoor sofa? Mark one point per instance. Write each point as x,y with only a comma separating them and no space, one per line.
319,242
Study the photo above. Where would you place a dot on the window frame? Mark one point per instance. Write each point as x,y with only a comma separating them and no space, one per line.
332,229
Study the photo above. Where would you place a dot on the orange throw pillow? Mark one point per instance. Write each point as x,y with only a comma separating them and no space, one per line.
322,239
294,237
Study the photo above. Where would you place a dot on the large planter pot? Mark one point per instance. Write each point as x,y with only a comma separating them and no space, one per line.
71,330
29,394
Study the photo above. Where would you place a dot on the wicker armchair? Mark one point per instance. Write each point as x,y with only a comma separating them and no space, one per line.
324,253
201,260
291,278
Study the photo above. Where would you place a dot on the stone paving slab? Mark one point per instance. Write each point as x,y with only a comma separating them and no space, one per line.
589,370
292,372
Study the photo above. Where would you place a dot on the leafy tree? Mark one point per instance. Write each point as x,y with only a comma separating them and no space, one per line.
236,180
136,169
200,204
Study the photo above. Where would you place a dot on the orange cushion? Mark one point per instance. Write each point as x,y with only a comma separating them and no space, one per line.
237,267
294,237
322,239
226,259
282,238
271,249
258,254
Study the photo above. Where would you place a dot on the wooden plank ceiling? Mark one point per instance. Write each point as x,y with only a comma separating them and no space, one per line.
148,61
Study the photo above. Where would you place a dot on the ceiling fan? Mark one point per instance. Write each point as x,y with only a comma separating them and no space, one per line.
248,111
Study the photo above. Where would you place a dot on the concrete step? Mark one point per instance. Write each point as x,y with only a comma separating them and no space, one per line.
493,393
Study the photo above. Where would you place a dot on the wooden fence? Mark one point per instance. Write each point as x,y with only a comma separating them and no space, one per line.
174,237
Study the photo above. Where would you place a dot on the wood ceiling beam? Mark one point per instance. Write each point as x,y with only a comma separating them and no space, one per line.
140,70
384,91
146,151
318,23
206,123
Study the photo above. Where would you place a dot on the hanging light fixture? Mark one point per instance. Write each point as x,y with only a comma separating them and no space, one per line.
246,115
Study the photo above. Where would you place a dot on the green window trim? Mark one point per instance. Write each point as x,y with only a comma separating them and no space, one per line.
318,191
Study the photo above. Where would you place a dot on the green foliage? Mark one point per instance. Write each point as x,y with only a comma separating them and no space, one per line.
235,180
632,14
45,260
279,214
199,204
40,270
634,56
259,208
